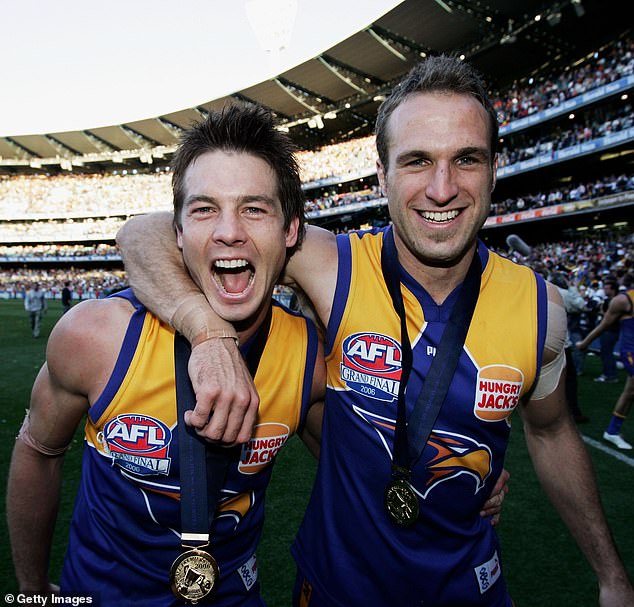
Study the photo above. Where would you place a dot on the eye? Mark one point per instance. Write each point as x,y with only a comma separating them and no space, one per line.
200,210
467,160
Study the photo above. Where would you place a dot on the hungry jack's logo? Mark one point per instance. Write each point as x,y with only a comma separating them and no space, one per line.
260,451
498,391
371,365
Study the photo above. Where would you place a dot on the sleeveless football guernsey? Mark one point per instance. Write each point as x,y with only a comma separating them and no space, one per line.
125,531
347,547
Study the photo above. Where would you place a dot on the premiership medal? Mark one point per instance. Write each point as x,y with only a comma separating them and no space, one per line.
193,575
401,502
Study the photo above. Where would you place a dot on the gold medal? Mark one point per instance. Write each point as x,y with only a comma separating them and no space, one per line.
193,575
401,502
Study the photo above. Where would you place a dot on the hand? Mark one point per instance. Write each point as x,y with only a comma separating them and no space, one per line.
580,345
226,399
620,594
493,506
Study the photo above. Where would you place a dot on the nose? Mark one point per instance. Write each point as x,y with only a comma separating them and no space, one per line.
228,229
441,187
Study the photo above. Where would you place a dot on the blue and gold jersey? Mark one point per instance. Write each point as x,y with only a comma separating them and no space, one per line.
125,531
347,547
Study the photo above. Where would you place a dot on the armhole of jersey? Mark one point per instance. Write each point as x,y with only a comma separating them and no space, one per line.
627,294
126,354
542,322
344,273
309,370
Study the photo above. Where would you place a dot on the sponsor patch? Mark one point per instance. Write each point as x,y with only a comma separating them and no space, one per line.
488,573
498,390
371,365
138,443
249,572
260,451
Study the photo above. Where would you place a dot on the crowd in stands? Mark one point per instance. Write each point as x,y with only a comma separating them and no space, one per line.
114,198
106,229
550,90
586,263
85,283
612,184
529,146
47,251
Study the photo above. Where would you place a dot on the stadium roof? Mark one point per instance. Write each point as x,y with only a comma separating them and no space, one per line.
335,95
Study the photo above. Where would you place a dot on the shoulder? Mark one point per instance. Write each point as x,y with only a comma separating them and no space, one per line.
621,303
86,340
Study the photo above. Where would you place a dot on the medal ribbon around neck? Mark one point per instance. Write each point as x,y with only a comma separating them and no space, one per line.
411,437
203,469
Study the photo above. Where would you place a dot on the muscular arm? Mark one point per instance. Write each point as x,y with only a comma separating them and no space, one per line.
552,438
619,305
77,362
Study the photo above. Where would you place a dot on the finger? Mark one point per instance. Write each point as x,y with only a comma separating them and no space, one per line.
248,422
216,424
197,417
236,412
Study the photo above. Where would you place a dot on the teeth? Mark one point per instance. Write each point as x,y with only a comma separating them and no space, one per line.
440,216
230,264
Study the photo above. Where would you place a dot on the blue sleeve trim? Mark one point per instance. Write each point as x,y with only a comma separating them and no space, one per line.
542,320
344,274
309,371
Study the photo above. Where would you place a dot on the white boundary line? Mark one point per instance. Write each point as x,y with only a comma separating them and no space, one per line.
601,447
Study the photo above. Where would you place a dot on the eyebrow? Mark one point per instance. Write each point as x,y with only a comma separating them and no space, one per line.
466,151
243,199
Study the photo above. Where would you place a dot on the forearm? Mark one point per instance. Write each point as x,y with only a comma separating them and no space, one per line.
575,496
157,275
32,503
590,337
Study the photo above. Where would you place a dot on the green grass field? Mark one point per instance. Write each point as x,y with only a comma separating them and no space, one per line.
541,562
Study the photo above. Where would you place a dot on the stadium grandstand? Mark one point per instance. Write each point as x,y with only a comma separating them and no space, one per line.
561,76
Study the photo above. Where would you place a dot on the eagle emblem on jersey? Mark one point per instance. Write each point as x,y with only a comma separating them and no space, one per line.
455,454
371,365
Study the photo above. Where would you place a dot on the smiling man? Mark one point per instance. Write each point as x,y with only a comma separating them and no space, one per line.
141,531
432,342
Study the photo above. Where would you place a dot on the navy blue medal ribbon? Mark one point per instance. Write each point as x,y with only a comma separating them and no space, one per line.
411,435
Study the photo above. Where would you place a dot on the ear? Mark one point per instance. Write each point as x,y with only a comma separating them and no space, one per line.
291,233
380,171
494,173
179,236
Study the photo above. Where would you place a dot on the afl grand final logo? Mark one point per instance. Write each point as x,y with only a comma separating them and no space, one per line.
138,443
371,365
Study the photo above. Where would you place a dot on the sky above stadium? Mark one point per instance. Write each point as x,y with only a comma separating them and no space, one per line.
79,64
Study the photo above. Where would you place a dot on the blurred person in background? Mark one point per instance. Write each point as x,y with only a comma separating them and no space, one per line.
35,305
620,312
608,338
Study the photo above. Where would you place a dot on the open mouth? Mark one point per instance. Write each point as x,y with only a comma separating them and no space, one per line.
439,216
233,276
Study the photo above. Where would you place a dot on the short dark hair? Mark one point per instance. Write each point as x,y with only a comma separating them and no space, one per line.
246,128
438,74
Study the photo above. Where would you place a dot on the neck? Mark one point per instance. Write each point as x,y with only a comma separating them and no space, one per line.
438,280
247,328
